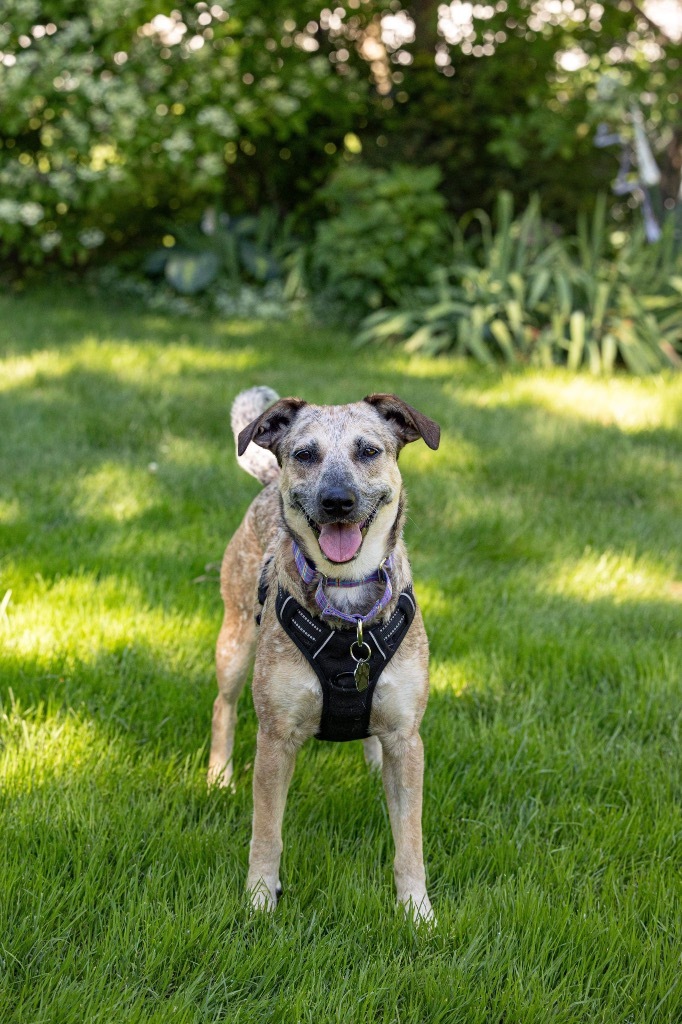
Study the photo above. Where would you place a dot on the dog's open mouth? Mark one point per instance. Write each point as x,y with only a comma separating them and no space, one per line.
340,542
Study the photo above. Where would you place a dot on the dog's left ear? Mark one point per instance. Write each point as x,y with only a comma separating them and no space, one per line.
268,429
408,424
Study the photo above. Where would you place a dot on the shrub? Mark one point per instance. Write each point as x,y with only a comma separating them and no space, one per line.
521,294
112,117
252,249
226,266
386,231
267,301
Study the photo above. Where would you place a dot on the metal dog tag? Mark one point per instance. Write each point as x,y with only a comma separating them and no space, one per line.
361,676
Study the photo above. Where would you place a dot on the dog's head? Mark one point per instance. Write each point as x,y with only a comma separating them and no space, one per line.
340,483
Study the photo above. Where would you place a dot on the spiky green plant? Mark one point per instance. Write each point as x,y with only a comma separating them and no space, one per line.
520,293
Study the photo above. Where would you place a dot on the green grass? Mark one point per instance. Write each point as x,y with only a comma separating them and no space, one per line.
545,538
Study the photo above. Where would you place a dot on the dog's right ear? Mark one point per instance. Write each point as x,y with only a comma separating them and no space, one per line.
269,428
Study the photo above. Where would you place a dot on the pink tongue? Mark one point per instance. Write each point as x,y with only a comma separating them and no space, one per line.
340,541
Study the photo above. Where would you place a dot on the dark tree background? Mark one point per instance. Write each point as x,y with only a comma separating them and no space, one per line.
115,117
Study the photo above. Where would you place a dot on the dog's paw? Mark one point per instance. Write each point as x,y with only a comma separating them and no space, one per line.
262,897
417,908
220,777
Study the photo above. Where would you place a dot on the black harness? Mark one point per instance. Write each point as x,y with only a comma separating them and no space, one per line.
345,710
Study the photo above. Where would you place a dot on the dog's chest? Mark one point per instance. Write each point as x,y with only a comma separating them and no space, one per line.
355,600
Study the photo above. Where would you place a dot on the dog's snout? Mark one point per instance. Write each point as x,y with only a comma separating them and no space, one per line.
338,501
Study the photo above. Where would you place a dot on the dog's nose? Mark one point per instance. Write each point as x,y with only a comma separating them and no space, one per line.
338,501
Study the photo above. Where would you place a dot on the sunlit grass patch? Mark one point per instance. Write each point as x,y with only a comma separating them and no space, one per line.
9,510
456,676
619,576
629,404
114,491
20,371
45,743
78,617
156,361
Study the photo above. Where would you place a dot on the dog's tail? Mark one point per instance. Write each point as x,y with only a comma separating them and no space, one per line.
247,406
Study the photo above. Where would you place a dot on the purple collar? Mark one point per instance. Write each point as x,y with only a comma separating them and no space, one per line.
310,574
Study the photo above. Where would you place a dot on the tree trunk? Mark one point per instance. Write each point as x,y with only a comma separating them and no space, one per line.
425,16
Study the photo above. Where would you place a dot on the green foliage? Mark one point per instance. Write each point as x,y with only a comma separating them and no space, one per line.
502,111
386,230
234,250
190,273
222,298
111,121
113,118
521,294
250,266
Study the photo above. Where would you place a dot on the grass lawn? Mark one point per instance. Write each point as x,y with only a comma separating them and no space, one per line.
545,539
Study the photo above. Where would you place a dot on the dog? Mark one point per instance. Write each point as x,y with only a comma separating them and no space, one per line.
317,580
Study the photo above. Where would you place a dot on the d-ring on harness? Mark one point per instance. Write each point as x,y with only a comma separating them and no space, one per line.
347,662
361,674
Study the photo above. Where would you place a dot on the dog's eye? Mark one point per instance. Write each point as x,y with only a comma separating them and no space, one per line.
369,452
303,455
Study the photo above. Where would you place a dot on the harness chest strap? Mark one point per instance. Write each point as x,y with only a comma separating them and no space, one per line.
345,710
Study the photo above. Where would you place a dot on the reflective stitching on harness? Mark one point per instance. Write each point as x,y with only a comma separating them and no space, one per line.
300,628
313,625
414,607
395,628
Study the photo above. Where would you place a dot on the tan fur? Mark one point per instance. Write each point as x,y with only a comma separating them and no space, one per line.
286,692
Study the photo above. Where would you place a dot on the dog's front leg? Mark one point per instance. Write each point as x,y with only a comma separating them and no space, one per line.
274,766
403,772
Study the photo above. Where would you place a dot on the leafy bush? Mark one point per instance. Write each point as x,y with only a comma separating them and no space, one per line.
113,117
227,266
237,250
524,295
267,301
386,231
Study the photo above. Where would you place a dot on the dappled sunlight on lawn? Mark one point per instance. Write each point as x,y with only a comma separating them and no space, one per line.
452,676
10,510
148,361
80,617
239,328
454,455
22,371
629,404
619,576
114,491
47,743
139,364
425,368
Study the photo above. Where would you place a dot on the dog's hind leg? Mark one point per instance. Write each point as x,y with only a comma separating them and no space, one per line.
373,752
234,649
233,658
